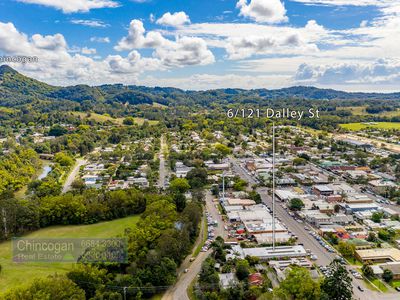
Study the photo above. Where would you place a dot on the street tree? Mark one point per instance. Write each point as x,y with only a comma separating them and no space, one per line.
387,275
298,285
296,204
337,284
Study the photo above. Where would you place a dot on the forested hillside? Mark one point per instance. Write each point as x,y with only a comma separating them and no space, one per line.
17,90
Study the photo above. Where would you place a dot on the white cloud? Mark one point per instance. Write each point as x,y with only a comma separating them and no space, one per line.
152,18
181,52
186,51
88,51
243,40
70,6
175,20
61,65
90,23
100,39
211,81
263,11
382,71
239,48
58,64
132,63
348,2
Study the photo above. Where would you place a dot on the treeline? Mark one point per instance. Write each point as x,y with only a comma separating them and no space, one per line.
157,244
92,206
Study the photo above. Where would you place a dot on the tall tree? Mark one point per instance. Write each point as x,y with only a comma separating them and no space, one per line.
298,285
337,284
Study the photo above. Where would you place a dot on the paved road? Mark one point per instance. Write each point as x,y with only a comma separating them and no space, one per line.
71,177
324,257
309,242
162,171
179,290
238,168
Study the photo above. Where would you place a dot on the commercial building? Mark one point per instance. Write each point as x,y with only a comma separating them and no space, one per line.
268,253
378,255
394,267
352,208
381,186
322,190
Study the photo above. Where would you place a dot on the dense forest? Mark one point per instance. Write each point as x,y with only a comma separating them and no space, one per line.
17,90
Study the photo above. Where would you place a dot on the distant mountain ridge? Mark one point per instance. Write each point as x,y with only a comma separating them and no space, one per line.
17,89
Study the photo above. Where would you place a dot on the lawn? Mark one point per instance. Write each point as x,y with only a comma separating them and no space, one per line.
395,283
361,111
13,274
379,125
379,284
355,110
104,118
203,238
159,105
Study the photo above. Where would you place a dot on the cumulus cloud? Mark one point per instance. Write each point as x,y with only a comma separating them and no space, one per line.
263,11
71,6
182,51
175,20
385,71
243,40
88,51
212,81
60,64
90,23
291,43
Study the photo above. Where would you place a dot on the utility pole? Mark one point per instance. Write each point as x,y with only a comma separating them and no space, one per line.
125,287
223,186
273,186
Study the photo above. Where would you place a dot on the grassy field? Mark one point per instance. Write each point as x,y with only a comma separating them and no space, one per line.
14,274
355,110
378,125
104,118
7,110
361,111
159,105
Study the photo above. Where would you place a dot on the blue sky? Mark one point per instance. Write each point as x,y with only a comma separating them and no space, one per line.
344,44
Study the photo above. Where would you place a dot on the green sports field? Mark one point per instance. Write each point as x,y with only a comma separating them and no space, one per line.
13,274
378,125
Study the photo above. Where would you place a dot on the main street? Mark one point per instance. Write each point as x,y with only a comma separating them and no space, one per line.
324,257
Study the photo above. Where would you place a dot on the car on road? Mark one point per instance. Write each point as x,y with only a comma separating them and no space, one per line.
360,288
397,288
186,270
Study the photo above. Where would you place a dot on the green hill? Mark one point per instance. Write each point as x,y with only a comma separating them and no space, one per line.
19,90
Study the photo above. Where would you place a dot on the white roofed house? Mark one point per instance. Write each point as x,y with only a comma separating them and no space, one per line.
220,166
140,181
181,170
